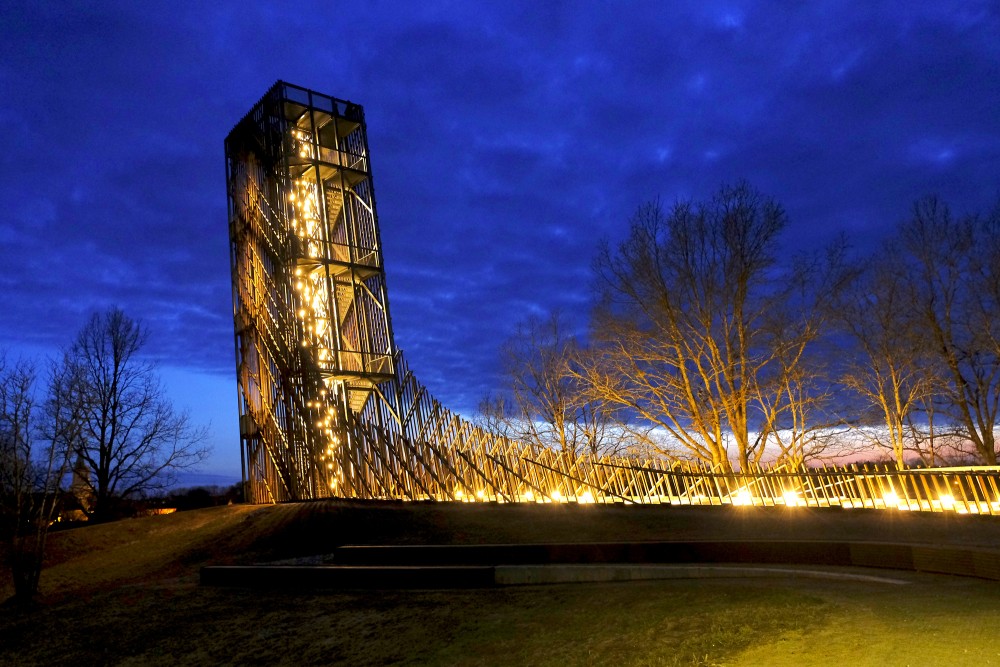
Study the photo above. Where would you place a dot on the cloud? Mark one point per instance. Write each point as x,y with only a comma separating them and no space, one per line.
506,141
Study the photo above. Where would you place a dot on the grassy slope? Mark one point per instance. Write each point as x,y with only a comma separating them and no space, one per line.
126,593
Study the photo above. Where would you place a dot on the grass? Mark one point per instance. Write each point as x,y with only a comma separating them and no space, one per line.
562,625
127,593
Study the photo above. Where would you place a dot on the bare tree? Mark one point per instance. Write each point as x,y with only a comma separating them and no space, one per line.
495,415
889,367
799,408
798,412
129,437
545,402
31,471
695,325
951,266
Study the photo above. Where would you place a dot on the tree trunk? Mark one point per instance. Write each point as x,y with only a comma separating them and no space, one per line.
26,568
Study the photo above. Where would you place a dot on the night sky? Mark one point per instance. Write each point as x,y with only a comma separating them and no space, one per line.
506,139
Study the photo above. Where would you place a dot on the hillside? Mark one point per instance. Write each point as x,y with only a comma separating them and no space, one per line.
127,592
176,545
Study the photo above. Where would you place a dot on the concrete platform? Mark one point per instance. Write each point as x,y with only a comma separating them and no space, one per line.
332,577
348,577
526,575
965,561
477,566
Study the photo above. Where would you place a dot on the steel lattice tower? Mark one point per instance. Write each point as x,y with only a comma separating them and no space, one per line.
313,335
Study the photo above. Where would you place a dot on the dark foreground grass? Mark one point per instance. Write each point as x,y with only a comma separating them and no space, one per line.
127,594
932,621
608,624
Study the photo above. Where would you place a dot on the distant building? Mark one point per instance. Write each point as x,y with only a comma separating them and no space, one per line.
80,502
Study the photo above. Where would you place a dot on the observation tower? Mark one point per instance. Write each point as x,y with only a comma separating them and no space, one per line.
313,335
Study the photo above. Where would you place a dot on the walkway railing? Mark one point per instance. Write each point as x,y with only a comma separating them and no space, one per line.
432,454
970,490
405,445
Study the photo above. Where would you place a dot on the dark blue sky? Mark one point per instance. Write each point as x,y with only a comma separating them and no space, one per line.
507,138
